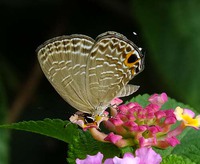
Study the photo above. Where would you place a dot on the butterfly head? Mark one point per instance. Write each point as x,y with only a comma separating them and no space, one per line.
86,121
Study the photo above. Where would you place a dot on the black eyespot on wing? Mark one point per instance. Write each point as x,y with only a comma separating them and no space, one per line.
133,58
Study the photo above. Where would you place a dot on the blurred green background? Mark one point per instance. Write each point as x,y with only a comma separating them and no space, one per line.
168,32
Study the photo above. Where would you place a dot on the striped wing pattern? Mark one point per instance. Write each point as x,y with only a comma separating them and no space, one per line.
88,74
63,61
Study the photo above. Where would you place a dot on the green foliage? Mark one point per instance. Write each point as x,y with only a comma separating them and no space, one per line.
190,146
175,159
4,134
141,99
81,143
84,144
4,146
2,103
55,128
172,36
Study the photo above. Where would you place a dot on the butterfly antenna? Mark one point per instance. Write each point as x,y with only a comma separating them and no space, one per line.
65,126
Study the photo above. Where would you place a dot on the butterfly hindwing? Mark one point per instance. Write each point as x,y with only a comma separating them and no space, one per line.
107,68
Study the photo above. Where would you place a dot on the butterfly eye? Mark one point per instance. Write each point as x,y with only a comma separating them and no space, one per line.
88,119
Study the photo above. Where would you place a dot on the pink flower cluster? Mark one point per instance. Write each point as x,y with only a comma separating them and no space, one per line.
143,127
142,156
134,125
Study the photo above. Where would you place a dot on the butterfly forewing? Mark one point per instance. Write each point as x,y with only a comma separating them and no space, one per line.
64,60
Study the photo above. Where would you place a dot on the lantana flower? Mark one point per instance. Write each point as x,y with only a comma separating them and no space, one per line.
187,117
91,159
147,156
142,156
127,158
134,125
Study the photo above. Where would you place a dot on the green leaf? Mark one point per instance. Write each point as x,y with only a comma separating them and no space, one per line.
4,133
190,146
84,144
3,103
4,146
141,99
55,128
175,159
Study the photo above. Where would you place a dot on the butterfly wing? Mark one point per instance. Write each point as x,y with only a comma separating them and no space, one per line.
113,62
63,61
127,90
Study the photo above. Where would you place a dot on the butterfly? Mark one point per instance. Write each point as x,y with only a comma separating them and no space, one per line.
89,73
